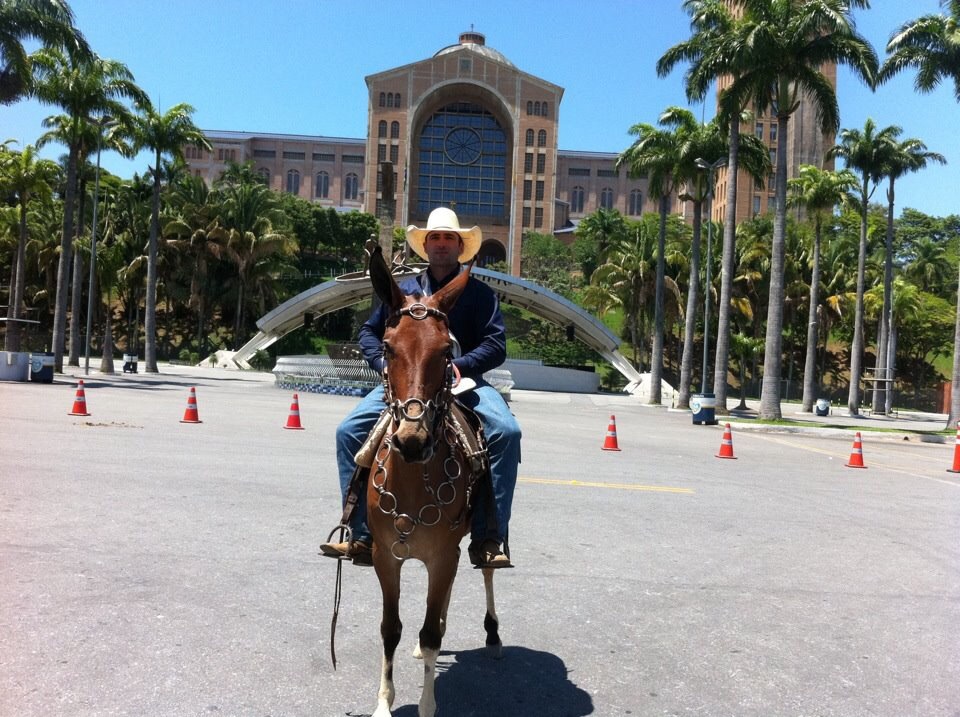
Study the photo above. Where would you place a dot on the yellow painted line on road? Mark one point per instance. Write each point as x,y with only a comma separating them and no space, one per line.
869,461
618,486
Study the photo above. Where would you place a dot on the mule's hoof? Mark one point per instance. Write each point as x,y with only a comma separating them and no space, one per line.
494,652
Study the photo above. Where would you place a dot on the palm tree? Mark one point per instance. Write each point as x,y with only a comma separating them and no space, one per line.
249,212
656,155
201,239
25,176
49,21
84,88
868,152
910,155
780,47
165,134
931,45
708,53
819,192
623,279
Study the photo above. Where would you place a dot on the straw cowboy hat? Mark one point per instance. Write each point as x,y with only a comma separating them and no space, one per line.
442,219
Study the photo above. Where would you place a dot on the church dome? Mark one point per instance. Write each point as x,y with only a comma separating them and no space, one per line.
476,42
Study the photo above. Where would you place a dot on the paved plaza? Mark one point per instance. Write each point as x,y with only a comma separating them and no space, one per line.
154,568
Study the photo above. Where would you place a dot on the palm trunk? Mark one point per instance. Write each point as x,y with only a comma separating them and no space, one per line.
891,365
772,357
955,375
63,266
810,363
883,371
76,294
726,271
686,361
656,357
150,309
15,299
106,359
856,348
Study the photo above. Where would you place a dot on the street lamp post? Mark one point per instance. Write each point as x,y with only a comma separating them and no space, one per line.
101,123
710,169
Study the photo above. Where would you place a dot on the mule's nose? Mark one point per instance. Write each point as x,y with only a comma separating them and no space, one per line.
414,448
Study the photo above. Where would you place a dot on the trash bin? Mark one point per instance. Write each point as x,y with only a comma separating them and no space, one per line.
823,407
129,363
41,367
703,406
14,365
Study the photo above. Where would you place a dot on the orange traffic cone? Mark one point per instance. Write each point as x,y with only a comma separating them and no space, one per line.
80,402
610,442
726,444
956,454
191,415
856,456
293,420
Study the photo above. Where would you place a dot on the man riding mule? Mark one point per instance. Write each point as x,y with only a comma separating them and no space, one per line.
476,324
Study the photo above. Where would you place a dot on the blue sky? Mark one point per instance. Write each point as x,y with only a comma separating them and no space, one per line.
298,66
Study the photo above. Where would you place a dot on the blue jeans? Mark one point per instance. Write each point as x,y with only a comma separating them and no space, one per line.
503,443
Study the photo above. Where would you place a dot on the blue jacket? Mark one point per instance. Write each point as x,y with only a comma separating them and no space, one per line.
475,321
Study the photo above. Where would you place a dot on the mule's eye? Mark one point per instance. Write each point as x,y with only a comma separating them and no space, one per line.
387,350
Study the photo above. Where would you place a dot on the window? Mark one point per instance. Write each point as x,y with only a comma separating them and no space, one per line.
383,99
528,163
293,182
394,153
396,100
608,173
536,109
576,200
542,138
529,137
539,194
294,155
526,216
773,131
192,152
382,129
538,217
381,153
321,189
465,64
264,175
759,130
579,171
462,157
227,155
541,163
636,203
351,187
529,107
265,153
389,99
606,198
323,157
197,173
353,158
756,203
527,189
543,110
772,182
395,129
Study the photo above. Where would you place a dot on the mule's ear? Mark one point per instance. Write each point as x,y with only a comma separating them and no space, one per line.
383,283
447,297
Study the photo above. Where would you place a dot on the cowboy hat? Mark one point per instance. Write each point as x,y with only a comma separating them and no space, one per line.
442,219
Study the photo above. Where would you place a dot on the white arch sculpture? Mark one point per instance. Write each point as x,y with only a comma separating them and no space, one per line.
337,294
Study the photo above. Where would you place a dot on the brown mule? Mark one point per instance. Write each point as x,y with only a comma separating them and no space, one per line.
420,485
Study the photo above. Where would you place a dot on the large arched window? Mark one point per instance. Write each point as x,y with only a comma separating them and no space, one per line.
394,130
264,175
529,137
636,203
606,198
389,99
529,107
382,129
383,99
321,189
293,181
576,200
462,158
542,138
351,187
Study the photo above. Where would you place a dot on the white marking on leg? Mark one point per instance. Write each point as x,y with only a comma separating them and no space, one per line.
386,694
417,654
488,588
428,703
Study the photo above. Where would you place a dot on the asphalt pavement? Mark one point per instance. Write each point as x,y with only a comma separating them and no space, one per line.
153,567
